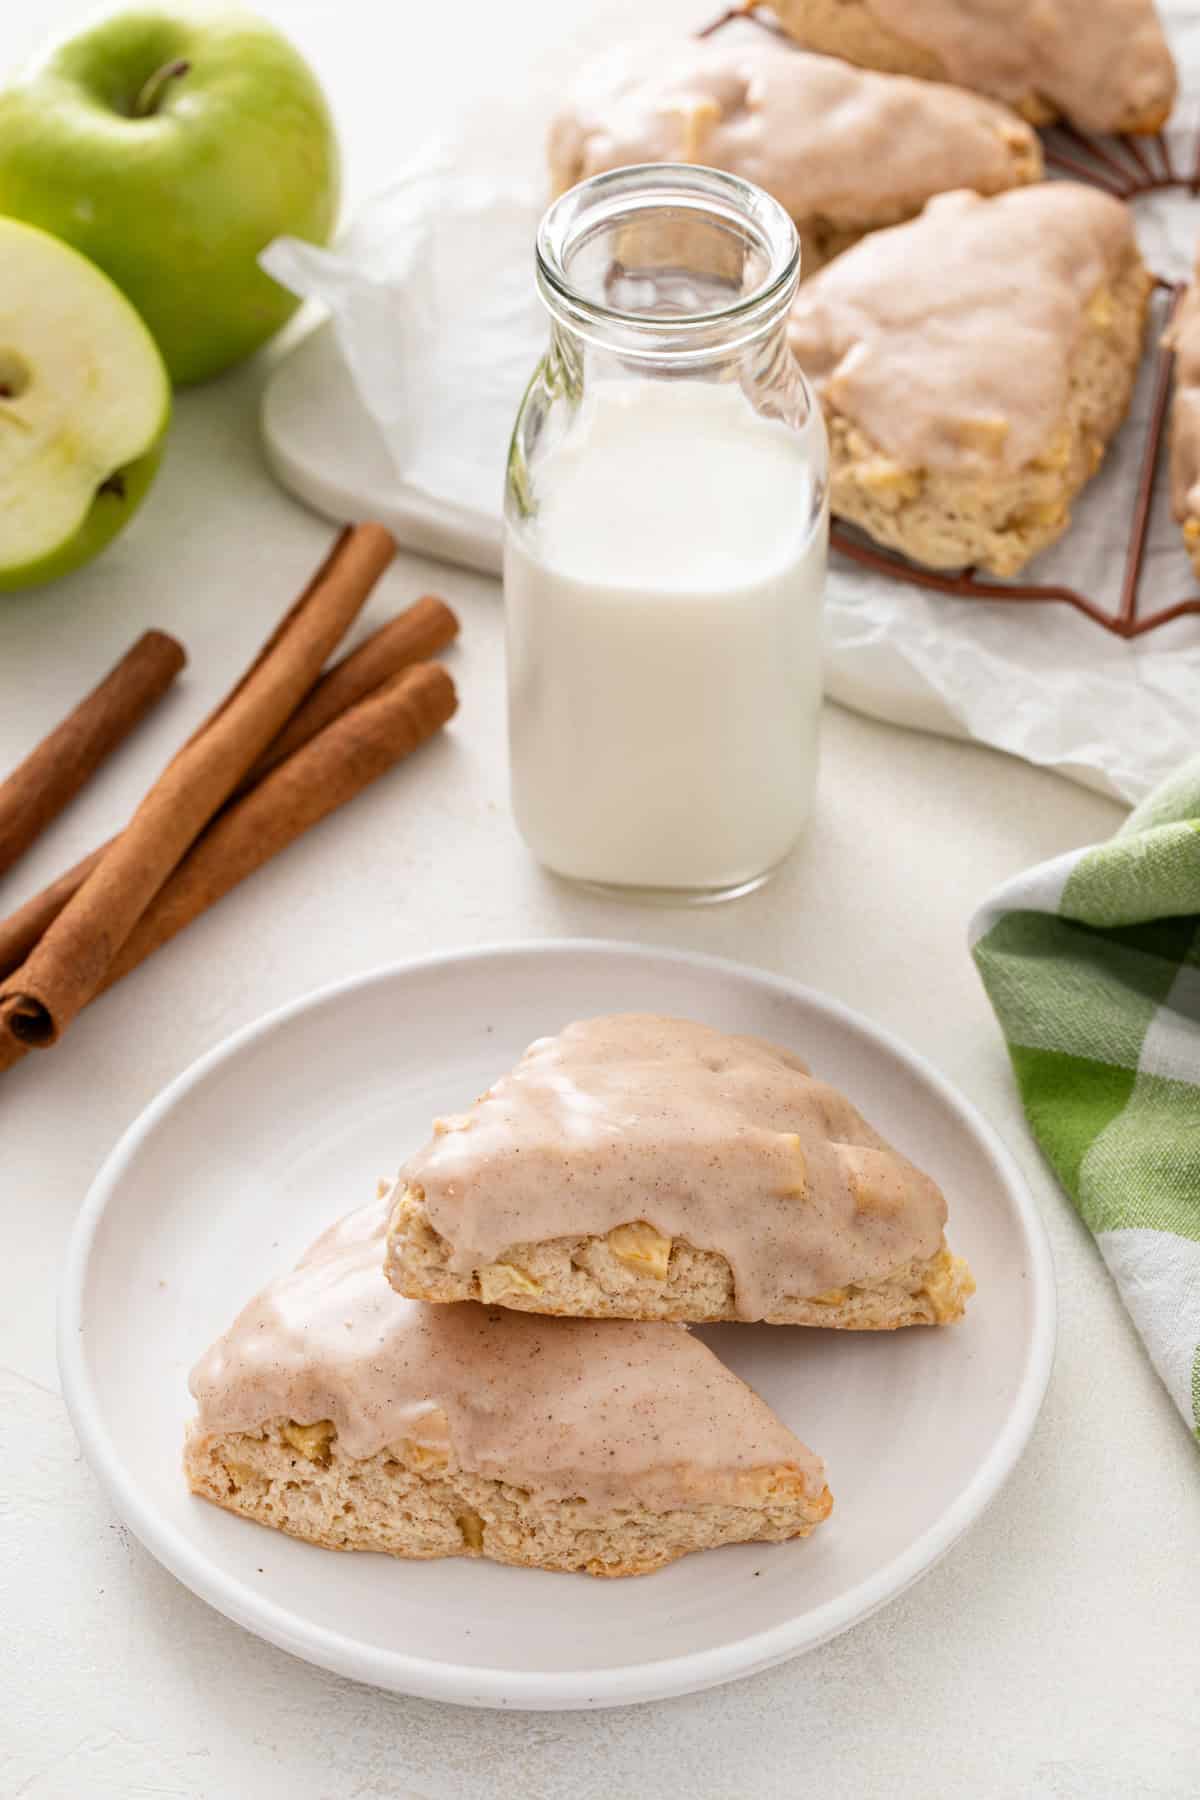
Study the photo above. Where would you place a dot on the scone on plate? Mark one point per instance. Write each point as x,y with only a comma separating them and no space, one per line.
1102,64
842,149
638,1167
338,1412
1184,336
973,366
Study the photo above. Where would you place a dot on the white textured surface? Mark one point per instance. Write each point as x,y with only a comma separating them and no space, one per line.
1052,1654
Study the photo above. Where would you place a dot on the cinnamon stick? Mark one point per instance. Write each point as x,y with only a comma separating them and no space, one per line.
25,928
354,750
51,775
414,635
69,964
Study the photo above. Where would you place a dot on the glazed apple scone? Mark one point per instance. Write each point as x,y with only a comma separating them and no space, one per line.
1184,336
337,1412
843,150
638,1167
1103,64
973,366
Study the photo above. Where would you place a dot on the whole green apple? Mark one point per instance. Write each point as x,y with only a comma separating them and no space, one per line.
84,404
170,146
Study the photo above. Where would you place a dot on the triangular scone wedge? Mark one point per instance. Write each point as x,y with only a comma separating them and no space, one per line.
973,366
341,1413
638,1167
843,149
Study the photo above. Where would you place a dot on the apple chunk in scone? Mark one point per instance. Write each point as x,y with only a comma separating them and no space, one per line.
646,1168
84,403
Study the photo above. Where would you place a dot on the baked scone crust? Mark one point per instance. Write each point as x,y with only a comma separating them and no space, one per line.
966,468
845,150
1184,336
636,1273
1103,64
296,1479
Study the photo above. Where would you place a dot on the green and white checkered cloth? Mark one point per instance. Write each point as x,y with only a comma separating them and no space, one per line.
1092,963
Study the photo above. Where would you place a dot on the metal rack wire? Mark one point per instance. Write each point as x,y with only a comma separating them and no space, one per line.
1125,167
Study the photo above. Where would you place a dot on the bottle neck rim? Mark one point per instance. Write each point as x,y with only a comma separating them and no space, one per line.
609,206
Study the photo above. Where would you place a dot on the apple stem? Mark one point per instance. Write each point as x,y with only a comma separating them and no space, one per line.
151,91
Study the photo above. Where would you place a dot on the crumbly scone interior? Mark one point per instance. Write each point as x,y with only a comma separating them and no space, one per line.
409,1501
636,1272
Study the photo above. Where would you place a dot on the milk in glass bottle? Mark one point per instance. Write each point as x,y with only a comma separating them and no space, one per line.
666,517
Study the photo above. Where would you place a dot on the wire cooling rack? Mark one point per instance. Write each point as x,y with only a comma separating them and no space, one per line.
1125,167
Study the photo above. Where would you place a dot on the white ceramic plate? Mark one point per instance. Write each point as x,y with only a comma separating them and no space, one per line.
233,1170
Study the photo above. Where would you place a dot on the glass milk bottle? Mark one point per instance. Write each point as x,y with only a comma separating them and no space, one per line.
666,518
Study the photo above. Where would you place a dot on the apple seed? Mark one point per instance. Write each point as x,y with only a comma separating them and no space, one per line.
15,374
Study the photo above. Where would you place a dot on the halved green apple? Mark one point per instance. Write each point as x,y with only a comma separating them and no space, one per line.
84,404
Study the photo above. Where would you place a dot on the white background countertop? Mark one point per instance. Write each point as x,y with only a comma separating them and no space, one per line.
1054,1652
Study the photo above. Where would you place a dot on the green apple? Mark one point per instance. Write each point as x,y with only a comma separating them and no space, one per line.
84,404
170,146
